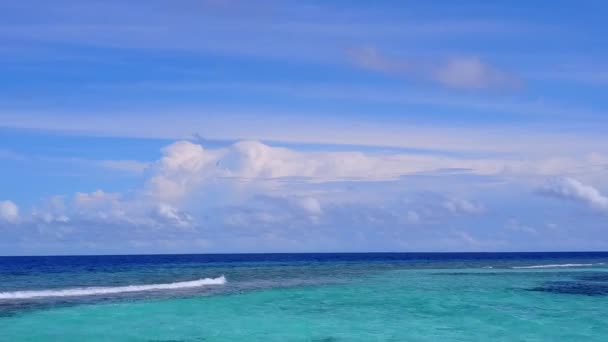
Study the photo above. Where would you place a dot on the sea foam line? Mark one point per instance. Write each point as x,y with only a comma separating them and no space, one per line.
89,291
557,265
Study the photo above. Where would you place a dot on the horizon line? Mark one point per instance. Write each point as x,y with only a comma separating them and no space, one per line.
298,253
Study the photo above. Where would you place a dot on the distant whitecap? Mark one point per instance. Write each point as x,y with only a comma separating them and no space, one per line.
90,291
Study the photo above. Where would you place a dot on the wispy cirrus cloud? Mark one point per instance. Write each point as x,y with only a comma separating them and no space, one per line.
313,128
123,165
134,166
468,73
269,29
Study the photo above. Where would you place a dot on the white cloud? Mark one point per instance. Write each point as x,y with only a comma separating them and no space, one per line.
186,167
267,184
572,189
173,216
100,206
310,205
9,212
53,210
297,127
471,73
456,72
370,58
181,169
250,189
293,182
106,209
458,205
95,199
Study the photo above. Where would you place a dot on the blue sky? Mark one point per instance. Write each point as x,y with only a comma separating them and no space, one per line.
293,126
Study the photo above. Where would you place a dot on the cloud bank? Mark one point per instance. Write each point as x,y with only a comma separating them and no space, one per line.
190,179
253,196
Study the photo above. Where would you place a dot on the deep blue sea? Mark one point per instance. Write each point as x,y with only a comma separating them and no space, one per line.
306,297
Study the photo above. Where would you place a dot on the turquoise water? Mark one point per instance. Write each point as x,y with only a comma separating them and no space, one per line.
559,298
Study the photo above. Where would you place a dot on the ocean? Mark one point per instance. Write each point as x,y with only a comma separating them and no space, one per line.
306,297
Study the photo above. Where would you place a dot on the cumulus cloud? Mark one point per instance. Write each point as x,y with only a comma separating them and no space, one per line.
185,167
468,72
53,210
173,216
9,212
99,208
574,190
181,169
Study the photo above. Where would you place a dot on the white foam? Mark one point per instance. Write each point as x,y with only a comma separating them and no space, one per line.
90,291
557,265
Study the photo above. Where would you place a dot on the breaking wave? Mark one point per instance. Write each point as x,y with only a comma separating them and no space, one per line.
90,291
556,265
